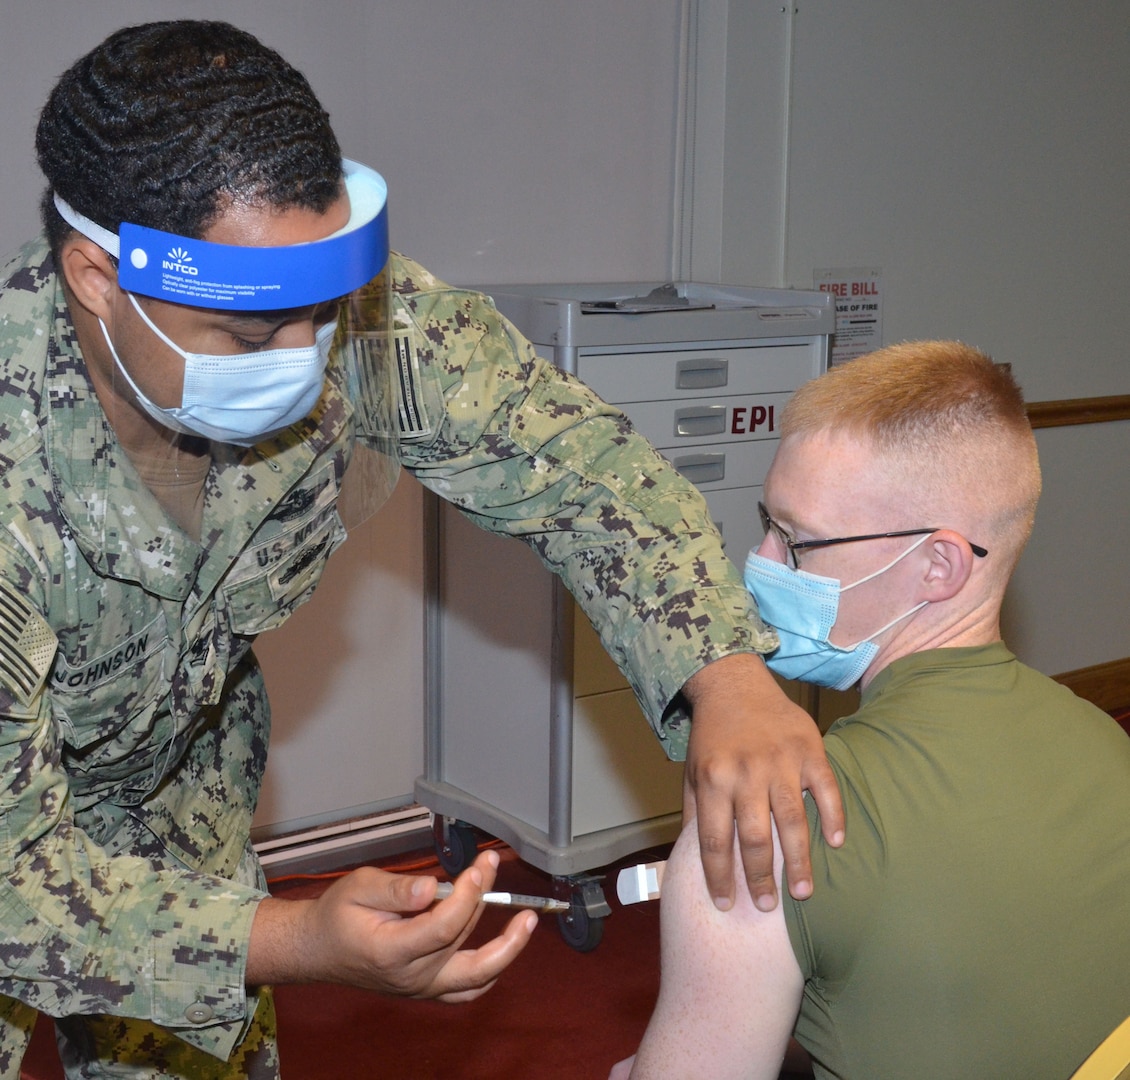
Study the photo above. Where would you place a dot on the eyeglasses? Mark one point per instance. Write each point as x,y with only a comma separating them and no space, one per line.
793,546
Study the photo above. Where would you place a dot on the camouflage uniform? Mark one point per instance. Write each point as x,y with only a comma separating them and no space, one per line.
135,722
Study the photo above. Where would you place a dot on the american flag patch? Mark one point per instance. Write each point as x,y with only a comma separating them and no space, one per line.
27,646
414,420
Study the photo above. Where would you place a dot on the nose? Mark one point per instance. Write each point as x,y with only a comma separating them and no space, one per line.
298,336
772,548
299,333
325,312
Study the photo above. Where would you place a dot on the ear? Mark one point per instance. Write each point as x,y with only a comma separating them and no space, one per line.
92,278
949,564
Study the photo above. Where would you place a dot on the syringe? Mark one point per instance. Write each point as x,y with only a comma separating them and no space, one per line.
509,899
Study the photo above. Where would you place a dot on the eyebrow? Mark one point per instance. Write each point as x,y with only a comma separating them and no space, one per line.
781,517
265,319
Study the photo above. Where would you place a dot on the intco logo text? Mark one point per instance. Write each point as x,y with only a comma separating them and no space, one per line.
178,260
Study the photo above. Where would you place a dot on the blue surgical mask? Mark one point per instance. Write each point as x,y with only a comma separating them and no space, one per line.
242,398
802,608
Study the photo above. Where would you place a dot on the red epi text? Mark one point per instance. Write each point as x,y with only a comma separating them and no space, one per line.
759,416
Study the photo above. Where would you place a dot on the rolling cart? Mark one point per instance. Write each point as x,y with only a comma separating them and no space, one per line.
533,735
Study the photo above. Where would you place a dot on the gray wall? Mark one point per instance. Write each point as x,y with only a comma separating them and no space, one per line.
976,153
522,141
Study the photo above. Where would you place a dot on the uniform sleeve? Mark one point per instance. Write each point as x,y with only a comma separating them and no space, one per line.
84,931
528,451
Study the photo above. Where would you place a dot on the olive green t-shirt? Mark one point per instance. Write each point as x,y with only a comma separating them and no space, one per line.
976,922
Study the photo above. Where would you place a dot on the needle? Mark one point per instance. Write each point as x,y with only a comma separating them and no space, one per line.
508,899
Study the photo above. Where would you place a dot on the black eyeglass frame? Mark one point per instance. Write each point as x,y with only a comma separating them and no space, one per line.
792,546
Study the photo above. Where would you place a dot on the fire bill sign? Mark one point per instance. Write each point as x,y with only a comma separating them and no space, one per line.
859,310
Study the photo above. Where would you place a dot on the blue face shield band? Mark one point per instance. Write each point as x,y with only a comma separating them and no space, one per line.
232,277
802,608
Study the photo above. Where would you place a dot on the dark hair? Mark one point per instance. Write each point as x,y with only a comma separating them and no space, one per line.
161,121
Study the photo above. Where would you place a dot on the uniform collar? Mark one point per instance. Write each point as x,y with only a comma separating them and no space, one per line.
930,661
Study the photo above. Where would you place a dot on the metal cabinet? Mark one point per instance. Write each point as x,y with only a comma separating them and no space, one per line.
532,733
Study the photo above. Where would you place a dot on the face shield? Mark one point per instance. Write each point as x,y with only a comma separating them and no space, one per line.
242,399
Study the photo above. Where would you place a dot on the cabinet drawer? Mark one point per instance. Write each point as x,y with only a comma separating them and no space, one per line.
620,773
724,465
694,373
671,425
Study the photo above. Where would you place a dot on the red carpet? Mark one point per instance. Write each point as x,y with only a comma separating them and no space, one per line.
555,1012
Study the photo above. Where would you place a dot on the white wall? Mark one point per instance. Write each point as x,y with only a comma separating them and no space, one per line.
523,140
977,154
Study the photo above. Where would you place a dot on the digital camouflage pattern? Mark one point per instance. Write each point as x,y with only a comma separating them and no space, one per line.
131,758
527,450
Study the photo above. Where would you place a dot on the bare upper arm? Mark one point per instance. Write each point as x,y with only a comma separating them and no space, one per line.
731,985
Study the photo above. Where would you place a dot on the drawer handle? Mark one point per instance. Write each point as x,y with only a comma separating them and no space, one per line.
701,468
700,420
701,374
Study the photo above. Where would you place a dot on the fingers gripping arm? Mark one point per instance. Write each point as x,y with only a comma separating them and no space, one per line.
752,754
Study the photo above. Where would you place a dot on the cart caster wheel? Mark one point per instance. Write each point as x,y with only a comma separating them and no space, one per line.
457,848
580,930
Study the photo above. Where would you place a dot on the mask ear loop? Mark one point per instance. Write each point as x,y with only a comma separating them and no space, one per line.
883,629
905,615
167,422
175,435
121,368
883,569
110,243
156,329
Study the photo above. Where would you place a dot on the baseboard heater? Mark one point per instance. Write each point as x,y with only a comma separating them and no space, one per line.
346,843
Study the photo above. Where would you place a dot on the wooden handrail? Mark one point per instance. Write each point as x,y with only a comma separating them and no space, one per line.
1095,410
1107,685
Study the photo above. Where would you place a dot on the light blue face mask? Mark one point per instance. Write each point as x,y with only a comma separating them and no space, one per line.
802,608
242,398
